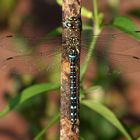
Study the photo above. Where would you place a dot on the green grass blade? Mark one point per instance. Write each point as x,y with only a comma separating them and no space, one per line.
57,31
86,13
108,115
52,122
126,25
27,94
59,2
81,138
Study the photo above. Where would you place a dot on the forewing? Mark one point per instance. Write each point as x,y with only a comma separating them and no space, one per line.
40,60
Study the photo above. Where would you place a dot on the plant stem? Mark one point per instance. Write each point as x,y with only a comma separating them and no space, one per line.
97,30
95,12
53,121
88,57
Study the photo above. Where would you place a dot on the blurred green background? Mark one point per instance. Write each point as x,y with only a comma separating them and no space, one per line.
32,20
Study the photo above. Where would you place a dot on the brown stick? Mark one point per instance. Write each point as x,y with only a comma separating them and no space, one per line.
68,130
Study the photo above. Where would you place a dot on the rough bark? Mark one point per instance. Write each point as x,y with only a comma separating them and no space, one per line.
70,8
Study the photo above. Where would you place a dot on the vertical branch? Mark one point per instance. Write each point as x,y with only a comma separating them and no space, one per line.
70,69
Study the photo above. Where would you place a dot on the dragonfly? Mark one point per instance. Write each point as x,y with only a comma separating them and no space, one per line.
123,51
39,57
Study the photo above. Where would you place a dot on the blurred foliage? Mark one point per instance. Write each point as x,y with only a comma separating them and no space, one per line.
6,9
135,13
33,102
95,127
28,93
53,121
108,115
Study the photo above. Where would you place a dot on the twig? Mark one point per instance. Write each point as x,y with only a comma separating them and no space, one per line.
71,18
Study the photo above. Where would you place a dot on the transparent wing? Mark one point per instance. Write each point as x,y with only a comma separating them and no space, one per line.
30,60
27,55
125,63
30,64
21,42
123,51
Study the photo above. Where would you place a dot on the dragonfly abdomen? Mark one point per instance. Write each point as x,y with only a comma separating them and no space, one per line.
73,88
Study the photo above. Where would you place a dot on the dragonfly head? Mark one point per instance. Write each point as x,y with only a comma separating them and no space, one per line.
72,23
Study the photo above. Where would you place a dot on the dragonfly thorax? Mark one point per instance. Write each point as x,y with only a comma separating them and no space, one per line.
73,56
72,41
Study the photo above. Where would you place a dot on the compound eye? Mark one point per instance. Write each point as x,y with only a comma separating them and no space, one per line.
69,25
78,24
